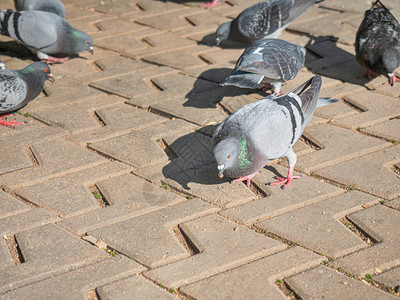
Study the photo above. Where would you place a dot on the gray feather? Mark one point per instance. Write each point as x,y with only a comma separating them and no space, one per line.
52,6
264,130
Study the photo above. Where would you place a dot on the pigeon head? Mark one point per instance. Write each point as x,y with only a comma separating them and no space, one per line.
390,62
223,32
39,70
81,41
226,154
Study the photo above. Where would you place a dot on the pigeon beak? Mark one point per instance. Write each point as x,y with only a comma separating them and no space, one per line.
51,77
221,169
391,75
218,41
91,50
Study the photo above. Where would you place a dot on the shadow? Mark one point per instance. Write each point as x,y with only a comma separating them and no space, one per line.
194,159
14,49
210,98
328,58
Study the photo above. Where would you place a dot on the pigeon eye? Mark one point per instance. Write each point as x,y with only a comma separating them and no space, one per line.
87,42
46,70
219,34
229,156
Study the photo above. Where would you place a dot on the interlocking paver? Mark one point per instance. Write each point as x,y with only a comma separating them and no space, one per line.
135,287
389,130
255,280
381,223
322,282
317,226
69,195
47,250
128,196
10,205
331,151
76,283
142,236
305,191
390,278
373,173
222,245
55,158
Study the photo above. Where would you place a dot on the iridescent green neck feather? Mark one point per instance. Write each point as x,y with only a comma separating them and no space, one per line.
245,159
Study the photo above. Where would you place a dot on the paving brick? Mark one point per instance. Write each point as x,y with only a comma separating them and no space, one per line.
302,192
79,117
140,148
332,152
375,109
149,239
76,283
128,196
255,280
55,158
47,250
10,205
221,247
118,119
394,203
371,173
381,223
15,155
5,255
66,92
135,287
389,130
317,226
70,195
322,282
390,278
73,67
26,220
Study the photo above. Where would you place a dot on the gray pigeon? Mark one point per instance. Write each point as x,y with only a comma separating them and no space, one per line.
2,66
265,130
266,19
378,43
45,34
18,87
267,63
52,6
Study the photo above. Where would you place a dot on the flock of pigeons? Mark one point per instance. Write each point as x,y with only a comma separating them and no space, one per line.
255,134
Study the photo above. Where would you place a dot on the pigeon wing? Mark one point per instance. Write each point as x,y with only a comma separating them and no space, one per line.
264,18
13,91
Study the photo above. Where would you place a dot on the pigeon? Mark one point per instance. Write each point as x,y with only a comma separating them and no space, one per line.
266,19
45,34
265,130
212,3
18,87
267,63
2,66
378,42
52,6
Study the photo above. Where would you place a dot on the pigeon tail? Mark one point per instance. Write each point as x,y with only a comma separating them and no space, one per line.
376,2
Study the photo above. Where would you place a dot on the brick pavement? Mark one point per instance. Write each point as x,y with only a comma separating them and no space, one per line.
110,191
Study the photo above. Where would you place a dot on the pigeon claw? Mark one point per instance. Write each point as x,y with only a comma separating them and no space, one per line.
51,59
285,181
10,124
247,178
211,4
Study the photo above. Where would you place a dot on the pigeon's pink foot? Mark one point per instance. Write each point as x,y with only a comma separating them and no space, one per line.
368,74
393,79
248,178
51,59
266,87
211,4
285,181
11,123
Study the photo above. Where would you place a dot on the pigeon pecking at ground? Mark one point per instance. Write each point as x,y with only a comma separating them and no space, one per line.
378,42
267,64
18,87
266,19
47,35
52,6
265,130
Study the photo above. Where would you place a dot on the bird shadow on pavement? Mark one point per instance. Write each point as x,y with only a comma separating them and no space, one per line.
14,49
192,160
209,98
328,58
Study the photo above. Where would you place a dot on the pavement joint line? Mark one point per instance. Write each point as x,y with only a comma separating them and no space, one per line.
358,231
